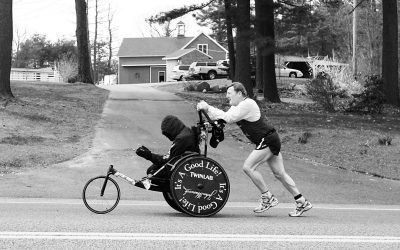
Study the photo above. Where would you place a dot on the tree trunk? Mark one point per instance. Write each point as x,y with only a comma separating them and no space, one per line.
390,60
268,52
231,46
6,38
96,15
355,36
242,69
259,20
82,37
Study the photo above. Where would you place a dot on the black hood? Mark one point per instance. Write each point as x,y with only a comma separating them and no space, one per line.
171,126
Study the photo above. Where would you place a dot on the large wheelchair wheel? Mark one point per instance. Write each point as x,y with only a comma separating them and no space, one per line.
97,203
199,186
171,202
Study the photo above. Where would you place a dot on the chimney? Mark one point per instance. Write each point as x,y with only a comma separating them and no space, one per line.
181,29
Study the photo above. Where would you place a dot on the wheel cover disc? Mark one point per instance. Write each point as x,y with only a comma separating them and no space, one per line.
200,186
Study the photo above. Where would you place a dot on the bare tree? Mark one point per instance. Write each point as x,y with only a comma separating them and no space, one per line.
18,40
82,37
6,38
161,30
110,17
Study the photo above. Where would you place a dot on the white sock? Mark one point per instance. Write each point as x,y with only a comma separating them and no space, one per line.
301,200
267,194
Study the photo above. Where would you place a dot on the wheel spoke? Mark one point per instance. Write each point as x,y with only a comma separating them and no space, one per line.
92,195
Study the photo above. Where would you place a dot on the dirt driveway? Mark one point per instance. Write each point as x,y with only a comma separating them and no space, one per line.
132,116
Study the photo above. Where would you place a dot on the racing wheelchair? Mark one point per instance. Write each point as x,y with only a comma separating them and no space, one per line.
195,184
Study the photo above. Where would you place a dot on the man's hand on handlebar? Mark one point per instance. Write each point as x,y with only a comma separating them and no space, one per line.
144,152
220,123
202,105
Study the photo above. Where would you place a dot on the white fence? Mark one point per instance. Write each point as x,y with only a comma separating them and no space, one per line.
109,80
39,75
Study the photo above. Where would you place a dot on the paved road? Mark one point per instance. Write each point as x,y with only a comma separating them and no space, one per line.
67,224
132,116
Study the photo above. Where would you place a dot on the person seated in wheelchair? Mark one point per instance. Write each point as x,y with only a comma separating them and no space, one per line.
183,139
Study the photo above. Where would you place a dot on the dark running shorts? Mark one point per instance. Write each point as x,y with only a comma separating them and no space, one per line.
272,141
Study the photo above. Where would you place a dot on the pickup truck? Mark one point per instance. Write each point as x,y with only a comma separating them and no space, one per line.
207,70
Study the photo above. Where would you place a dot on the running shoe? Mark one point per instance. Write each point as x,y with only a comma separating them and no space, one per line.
301,208
266,204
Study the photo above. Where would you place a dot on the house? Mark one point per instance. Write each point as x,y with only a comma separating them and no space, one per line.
151,59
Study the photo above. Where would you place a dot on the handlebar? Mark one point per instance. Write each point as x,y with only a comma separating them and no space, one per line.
214,123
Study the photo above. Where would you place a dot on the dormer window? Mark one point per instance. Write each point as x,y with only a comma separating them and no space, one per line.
203,48
181,29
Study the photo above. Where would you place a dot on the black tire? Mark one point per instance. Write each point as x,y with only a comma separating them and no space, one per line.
101,204
199,186
170,200
292,75
212,75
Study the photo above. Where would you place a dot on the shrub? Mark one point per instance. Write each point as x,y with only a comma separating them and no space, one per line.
335,88
203,86
304,137
385,140
324,91
189,87
371,99
68,68
215,88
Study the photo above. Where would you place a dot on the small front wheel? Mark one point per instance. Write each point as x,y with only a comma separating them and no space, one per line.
97,203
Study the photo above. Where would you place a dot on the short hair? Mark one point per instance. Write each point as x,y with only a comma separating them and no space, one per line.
239,87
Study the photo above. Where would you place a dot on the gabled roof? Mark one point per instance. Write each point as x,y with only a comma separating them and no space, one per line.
151,46
180,53
209,37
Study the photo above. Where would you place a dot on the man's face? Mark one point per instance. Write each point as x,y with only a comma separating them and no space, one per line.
234,97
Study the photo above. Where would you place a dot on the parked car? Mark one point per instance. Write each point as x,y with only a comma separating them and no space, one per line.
303,66
223,62
207,70
283,71
179,72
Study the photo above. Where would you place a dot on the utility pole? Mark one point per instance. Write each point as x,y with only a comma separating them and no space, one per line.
355,70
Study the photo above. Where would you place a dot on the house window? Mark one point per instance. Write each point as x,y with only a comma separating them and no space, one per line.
161,76
203,48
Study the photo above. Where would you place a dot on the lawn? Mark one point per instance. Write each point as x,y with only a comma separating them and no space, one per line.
340,140
47,123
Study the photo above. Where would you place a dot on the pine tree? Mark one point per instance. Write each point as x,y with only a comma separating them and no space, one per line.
6,37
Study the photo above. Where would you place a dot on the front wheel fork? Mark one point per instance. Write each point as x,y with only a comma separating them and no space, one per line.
110,171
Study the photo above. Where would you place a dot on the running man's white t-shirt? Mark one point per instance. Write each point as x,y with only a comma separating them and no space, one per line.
246,110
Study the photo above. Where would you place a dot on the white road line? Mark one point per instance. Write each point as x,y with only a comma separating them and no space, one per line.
198,237
228,204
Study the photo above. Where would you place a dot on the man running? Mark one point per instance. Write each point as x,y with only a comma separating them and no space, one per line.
246,113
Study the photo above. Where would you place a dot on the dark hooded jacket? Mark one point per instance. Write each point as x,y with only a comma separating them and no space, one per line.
183,138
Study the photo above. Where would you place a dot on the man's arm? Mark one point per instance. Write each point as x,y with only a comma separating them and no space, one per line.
234,114
159,160
178,148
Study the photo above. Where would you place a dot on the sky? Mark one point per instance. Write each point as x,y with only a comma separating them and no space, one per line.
57,19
